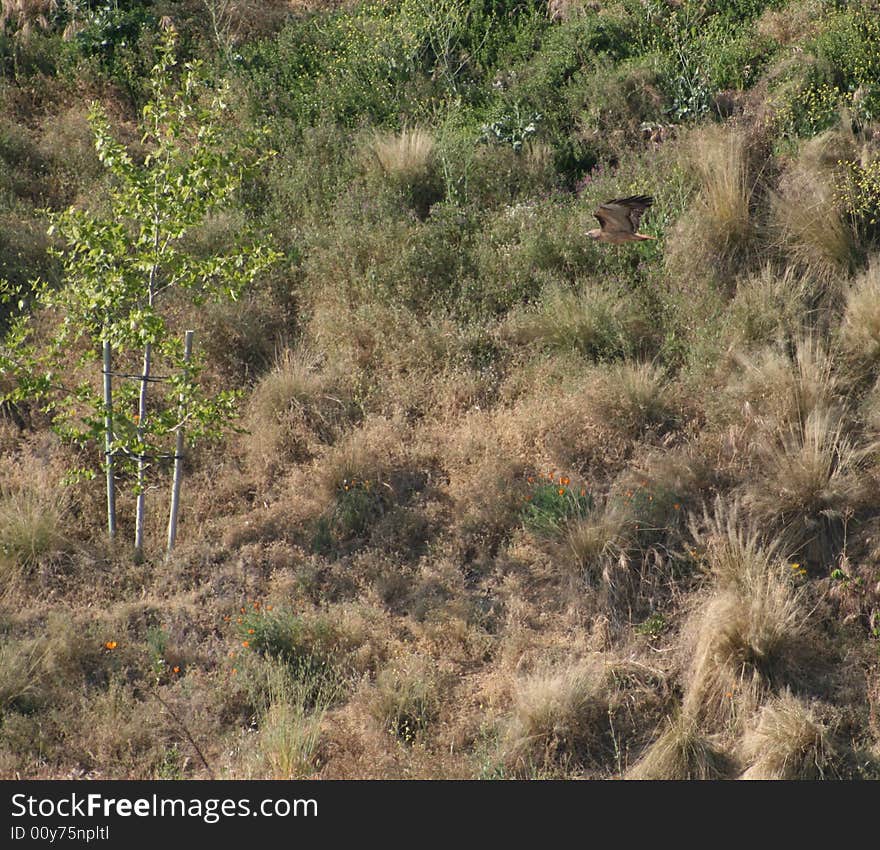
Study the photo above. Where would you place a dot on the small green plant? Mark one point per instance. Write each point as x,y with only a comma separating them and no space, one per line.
653,627
309,648
552,503
406,702
357,506
512,129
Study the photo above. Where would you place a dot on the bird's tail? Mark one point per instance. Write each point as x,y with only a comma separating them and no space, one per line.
641,237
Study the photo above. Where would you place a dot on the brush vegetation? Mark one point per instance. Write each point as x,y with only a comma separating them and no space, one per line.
492,500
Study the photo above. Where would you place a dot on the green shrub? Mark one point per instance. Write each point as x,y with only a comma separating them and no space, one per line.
551,503
311,648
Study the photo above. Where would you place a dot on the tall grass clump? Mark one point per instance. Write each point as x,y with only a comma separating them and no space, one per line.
718,229
769,307
408,161
788,740
810,479
31,530
290,724
777,391
860,329
808,217
559,718
20,663
295,408
632,397
748,634
593,322
681,752
407,699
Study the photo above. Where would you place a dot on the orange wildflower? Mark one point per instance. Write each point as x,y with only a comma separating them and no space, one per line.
245,643
566,481
111,645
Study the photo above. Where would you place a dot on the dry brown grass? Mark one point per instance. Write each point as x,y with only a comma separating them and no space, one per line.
406,156
631,398
860,329
749,632
33,530
290,725
593,322
25,16
406,701
807,212
408,161
774,391
768,307
789,740
793,23
718,231
682,752
598,538
810,480
295,410
559,716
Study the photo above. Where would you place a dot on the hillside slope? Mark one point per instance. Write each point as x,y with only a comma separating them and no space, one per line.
504,502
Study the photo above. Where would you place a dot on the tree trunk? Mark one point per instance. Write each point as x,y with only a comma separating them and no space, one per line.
142,460
178,450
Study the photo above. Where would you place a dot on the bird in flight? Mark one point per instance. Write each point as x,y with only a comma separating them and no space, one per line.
619,220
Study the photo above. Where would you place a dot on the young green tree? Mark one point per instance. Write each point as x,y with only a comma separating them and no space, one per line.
126,270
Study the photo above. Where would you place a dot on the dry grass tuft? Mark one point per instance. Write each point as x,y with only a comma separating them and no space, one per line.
776,392
407,699
769,307
793,23
681,752
860,329
25,16
718,230
407,160
19,667
631,398
295,410
558,717
594,322
290,725
598,538
807,213
790,741
32,523
809,482
749,632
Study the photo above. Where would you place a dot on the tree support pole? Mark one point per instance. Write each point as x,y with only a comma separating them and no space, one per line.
108,441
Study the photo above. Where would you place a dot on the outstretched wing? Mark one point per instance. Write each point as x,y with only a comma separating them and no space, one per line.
622,215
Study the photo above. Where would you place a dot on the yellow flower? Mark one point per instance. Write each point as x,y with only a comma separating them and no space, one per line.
111,645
